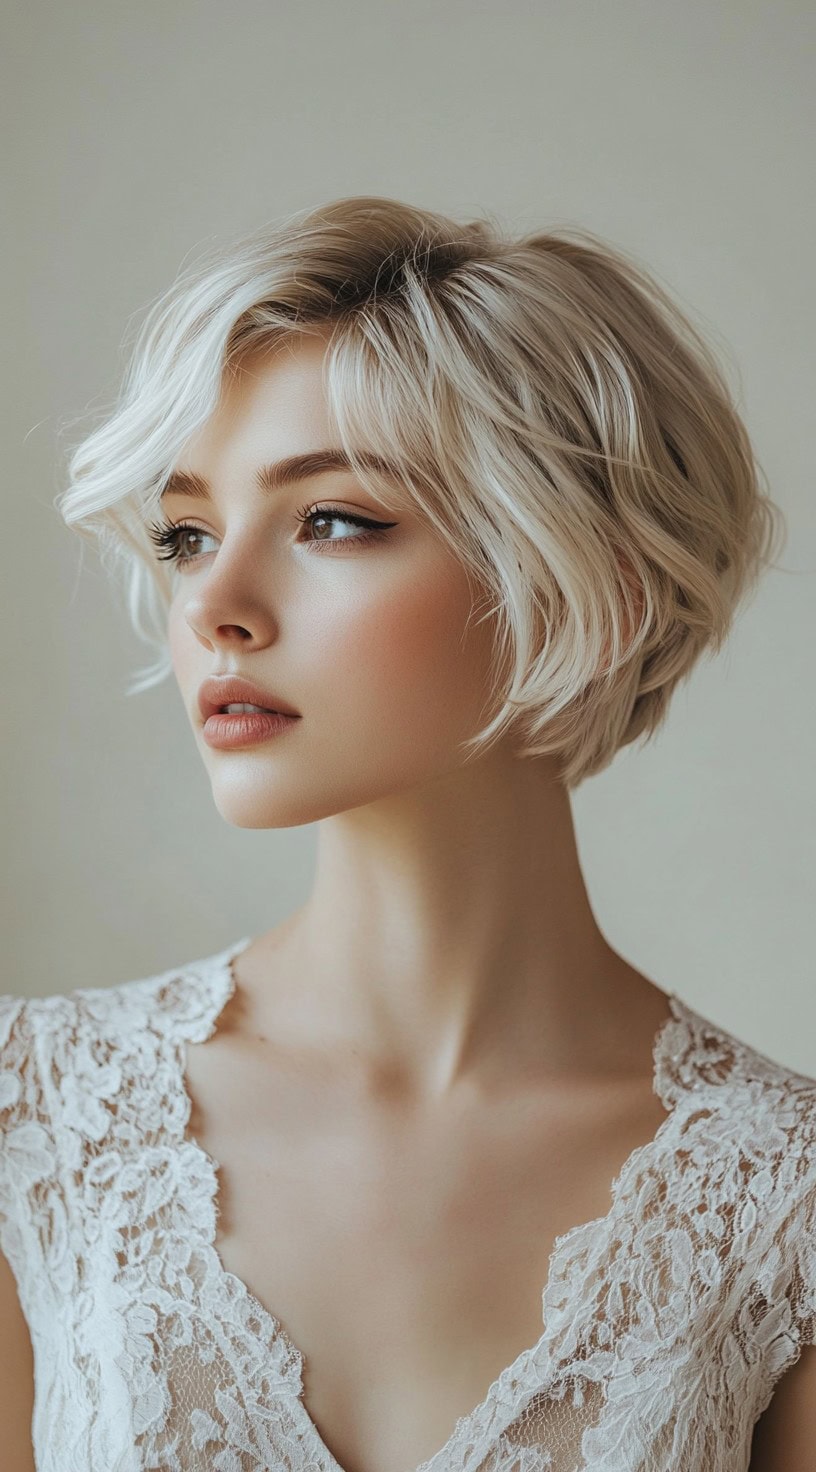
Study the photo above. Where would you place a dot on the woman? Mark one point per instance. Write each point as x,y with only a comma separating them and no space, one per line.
427,1176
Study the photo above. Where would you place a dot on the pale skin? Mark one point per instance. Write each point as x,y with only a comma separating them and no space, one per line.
437,1064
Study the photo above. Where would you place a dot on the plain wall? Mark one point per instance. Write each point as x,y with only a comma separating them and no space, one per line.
136,134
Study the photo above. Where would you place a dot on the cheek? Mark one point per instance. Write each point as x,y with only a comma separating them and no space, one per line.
409,665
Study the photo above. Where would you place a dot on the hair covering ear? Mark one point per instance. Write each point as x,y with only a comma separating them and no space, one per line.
630,622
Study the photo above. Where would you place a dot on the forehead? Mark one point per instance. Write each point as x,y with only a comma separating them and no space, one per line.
286,376
272,405
271,426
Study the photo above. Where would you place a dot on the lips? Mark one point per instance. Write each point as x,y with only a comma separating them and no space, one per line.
217,692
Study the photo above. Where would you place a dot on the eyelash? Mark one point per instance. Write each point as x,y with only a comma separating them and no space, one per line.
167,535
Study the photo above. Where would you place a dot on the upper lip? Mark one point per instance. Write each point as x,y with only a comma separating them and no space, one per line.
217,692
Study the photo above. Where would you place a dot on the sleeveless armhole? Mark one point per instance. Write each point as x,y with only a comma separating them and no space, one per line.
782,1136
36,1233
802,1236
27,1157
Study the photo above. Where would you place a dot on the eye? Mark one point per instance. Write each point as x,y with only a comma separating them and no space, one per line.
371,529
169,538
166,536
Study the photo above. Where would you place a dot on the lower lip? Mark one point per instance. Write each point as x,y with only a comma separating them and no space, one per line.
244,728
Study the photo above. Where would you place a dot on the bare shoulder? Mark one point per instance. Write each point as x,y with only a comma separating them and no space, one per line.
16,1377
785,1434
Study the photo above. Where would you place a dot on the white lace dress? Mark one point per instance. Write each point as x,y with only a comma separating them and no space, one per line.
666,1323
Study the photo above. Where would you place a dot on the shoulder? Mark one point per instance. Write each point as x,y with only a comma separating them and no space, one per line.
704,1060
761,1114
67,1058
749,1121
46,1042
179,1000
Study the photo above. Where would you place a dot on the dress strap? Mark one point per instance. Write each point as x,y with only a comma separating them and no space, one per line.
211,985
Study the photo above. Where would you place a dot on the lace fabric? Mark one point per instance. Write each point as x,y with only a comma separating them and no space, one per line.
666,1323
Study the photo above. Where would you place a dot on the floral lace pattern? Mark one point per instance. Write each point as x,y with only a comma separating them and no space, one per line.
666,1323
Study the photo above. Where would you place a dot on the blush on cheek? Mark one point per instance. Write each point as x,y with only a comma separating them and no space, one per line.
416,654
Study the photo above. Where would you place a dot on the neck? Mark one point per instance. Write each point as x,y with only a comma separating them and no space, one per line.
449,932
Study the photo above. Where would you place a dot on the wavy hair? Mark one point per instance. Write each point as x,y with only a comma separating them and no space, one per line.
546,406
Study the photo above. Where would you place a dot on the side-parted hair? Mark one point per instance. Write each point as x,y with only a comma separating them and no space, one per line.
541,400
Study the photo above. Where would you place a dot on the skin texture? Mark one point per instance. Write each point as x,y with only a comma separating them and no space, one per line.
449,930
437,1064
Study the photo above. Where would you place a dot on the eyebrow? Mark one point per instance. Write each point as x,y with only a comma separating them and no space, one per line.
281,473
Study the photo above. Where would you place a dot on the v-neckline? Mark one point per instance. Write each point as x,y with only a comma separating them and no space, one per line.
219,987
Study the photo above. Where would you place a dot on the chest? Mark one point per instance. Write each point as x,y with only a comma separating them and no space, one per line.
403,1251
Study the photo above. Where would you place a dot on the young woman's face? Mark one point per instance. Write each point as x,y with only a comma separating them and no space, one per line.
368,640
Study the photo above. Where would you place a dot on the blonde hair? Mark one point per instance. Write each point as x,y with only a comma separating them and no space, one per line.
546,406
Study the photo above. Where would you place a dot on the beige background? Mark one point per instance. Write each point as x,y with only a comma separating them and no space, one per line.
134,134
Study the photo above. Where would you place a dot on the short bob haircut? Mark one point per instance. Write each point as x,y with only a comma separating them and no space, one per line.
541,400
